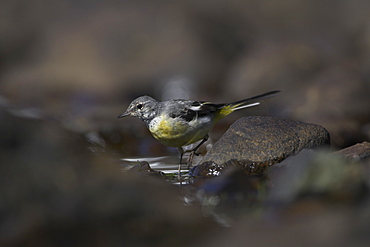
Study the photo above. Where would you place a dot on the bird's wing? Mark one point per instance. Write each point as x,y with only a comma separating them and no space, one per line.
189,110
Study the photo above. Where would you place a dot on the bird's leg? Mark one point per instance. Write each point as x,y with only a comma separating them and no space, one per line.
190,159
192,152
181,152
191,156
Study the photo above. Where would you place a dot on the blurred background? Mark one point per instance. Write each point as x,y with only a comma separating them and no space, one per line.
69,68
82,62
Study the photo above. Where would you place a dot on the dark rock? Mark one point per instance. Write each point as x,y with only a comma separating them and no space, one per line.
258,142
356,152
317,175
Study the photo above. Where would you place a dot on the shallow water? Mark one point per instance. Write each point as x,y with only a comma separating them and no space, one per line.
165,164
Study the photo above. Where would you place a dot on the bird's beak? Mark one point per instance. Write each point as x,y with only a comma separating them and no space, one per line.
124,114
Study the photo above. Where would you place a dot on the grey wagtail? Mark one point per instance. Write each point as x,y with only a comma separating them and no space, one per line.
179,122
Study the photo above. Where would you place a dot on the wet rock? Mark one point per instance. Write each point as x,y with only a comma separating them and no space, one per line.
258,142
230,195
356,152
211,169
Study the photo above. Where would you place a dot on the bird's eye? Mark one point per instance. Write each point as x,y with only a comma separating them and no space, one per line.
139,106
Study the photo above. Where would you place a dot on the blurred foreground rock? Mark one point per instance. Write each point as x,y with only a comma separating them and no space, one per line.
55,192
255,143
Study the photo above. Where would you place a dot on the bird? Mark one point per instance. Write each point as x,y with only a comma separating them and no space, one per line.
180,122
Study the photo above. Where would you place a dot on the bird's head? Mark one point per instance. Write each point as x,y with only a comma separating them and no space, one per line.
142,107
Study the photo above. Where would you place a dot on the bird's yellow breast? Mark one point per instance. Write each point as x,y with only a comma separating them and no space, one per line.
176,133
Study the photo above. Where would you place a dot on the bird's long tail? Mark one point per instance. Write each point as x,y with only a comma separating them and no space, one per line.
226,109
